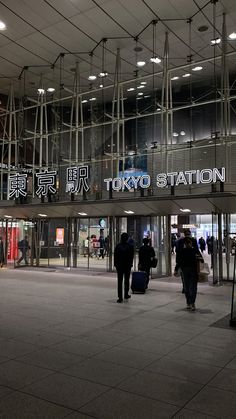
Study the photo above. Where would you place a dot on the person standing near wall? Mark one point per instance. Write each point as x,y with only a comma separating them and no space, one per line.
123,262
23,246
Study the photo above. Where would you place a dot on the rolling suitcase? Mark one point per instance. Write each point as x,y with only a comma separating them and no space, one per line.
139,282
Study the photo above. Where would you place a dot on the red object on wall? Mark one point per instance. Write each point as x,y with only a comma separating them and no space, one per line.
13,238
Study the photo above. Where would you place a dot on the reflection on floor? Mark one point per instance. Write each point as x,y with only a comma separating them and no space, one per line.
68,350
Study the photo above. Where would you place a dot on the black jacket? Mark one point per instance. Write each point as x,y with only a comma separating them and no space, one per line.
187,257
123,256
146,254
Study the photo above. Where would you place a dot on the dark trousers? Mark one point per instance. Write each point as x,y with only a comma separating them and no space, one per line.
23,256
120,275
190,284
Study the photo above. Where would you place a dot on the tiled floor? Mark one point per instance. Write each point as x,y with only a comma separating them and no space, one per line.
68,350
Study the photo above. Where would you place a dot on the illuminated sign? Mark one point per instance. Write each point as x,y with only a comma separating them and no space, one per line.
163,180
60,235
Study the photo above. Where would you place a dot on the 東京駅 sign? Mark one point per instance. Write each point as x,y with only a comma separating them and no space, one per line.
163,180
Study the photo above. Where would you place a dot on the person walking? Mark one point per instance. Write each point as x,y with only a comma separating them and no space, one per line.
2,258
123,262
202,244
23,246
187,259
146,255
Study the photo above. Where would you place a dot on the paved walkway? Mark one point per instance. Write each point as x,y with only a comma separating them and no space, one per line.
68,350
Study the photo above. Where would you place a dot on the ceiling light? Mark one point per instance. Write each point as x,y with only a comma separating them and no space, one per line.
175,78
84,101
146,96
186,75
82,213
185,210
92,99
101,85
2,26
175,134
103,74
197,68
138,98
215,41
158,109
141,63
92,77
41,91
51,90
143,82
140,94
129,212
155,60
130,89
232,35
7,216
141,86
182,133
42,215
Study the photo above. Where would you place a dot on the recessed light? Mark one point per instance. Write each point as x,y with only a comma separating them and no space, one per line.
141,87
185,210
197,68
92,77
103,74
186,75
7,216
139,98
129,212
146,96
215,41
82,213
101,85
155,60
84,101
140,94
2,26
92,99
232,35
182,133
158,109
130,89
41,91
175,78
175,134
141,63
42,215
143,82
51,90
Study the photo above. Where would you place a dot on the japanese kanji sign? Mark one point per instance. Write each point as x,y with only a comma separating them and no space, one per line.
46,183
17,185
76,179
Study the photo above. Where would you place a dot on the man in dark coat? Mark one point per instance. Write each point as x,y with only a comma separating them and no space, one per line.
146,255
23,246
123,261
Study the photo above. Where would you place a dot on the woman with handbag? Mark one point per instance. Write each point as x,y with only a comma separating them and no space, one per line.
147,258
187,259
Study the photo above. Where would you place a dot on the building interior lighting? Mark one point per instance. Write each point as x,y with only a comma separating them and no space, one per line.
185,210
186,75
175,78
51,90
7,216
140,94
92,99
146,96
158,109
141,63
82,213
143,82
92,77
175,134
197,68
84,101
103,74
41,91
42,215
182,132
101,85
215,41
232,35
2,26
141,86
155,60
130,89
129,212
